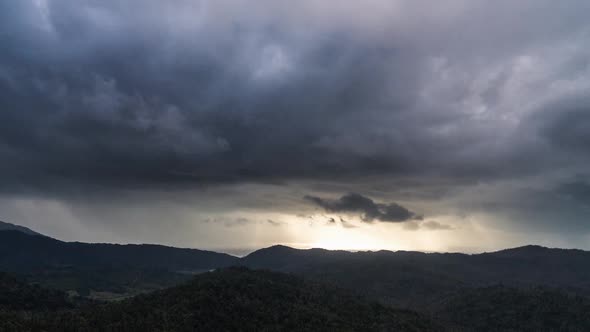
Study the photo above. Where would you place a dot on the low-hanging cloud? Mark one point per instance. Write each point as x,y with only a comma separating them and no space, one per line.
366,207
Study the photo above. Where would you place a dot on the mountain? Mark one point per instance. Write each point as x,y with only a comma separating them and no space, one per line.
4,226
403,278
529,288
234,299
19,251
415,279
106,271
395,278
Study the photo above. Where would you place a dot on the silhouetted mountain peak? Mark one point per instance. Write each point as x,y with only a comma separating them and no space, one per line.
5,226
278,247
538,251
527,248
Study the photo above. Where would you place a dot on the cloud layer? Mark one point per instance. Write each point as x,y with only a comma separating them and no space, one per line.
474,108
152,93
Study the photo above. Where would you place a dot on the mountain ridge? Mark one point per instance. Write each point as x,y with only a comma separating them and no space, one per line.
284,249
6,226
429,283
32,250
402,278
524,248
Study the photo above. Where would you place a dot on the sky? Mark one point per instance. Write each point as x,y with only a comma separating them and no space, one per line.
231,125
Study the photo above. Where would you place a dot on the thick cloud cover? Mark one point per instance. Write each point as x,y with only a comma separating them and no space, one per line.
445,99
149,92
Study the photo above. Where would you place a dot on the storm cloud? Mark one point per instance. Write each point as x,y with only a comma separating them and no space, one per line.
166,94
369,210
461,108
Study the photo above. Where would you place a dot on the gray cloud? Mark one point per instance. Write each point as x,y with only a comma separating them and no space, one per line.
568,129
132,99
108,98
435,226
368,209
577,190
275,223
429,225
196,114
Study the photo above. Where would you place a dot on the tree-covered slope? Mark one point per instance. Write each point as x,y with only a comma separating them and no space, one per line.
501,308
415,279
237,299
22,304
16,295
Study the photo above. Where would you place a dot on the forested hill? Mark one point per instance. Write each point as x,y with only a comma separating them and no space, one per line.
16,295
415,279
501,308
238,299
235,299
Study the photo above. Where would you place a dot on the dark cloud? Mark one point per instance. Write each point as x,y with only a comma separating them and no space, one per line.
112,97
558,206
568,129
577,190
368,209
133,100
